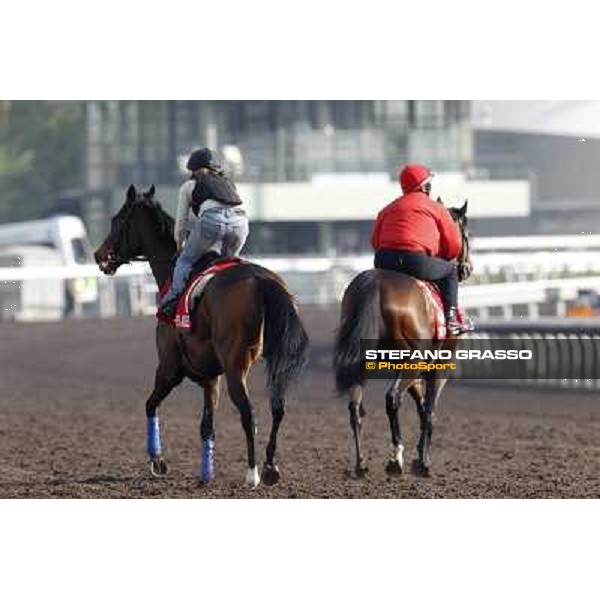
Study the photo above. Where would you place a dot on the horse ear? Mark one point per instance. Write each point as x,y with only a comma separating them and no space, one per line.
463,209
131,193
439,199
150,193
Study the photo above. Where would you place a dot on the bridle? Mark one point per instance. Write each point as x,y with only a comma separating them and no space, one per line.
118,235
464,264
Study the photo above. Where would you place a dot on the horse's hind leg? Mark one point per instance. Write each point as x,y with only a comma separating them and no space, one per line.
163,384
433,388
270,473
207,430
393,401
238,392
357,411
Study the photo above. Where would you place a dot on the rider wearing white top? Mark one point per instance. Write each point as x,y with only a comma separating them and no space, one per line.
221,226
183,211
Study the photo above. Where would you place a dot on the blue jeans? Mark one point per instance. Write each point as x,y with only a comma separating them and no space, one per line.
222,230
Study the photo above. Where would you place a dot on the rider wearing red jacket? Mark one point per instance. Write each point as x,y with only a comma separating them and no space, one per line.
417,236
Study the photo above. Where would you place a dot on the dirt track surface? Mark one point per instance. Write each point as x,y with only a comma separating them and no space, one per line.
72,424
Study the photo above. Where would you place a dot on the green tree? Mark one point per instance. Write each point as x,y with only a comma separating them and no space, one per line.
42,155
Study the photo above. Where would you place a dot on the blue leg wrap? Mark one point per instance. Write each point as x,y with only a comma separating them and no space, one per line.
153,437
207,467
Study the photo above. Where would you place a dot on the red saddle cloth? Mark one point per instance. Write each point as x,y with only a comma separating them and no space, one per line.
182,314
433,293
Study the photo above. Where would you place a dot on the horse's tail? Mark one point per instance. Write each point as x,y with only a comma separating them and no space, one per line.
285,345
360,321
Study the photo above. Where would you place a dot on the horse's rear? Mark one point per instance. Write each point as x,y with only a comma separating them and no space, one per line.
246,313
378,305
382,305
251,314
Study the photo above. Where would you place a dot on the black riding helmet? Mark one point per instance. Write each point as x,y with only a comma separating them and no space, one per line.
199,159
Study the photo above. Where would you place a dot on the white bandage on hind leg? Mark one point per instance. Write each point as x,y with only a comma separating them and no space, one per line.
398,454
252,477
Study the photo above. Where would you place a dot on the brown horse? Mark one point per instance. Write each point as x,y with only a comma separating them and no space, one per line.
388,307
244,313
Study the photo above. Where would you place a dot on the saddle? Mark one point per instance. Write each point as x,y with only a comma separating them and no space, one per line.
204,262
435,298
202,273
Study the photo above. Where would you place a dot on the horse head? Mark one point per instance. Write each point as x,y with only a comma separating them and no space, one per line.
464,260
138,225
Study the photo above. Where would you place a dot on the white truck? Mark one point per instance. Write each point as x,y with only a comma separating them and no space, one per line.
60,240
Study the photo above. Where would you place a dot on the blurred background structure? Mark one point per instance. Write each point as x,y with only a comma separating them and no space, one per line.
313,175
313,172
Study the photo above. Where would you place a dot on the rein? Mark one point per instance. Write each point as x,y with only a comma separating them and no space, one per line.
122,261
464,267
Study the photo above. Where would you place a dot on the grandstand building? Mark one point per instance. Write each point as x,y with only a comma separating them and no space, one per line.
555,145
313,173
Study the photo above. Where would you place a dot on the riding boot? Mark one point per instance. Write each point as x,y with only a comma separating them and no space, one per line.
169,308
456,327
452,324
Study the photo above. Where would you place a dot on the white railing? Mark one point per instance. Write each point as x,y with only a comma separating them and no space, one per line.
529,293
533,243
70,272
126,293
313,280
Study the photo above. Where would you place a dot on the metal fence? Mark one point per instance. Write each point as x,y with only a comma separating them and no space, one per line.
567,354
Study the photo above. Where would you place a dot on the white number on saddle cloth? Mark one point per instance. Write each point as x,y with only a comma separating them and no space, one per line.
182,321
192,294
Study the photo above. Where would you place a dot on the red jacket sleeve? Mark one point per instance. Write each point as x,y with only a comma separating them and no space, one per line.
450,238
376,231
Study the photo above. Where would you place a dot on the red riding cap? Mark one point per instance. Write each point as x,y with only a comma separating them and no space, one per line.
412,177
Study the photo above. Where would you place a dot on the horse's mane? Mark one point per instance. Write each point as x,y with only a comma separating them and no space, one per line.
166,223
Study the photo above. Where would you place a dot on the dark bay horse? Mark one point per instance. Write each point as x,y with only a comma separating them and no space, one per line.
245,313
389,307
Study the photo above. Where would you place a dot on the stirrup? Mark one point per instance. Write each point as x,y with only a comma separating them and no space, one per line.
467,324
456,329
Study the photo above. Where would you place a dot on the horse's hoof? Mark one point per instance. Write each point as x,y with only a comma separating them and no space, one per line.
270,474
419,468
158,467
393,468
360,471
252,477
